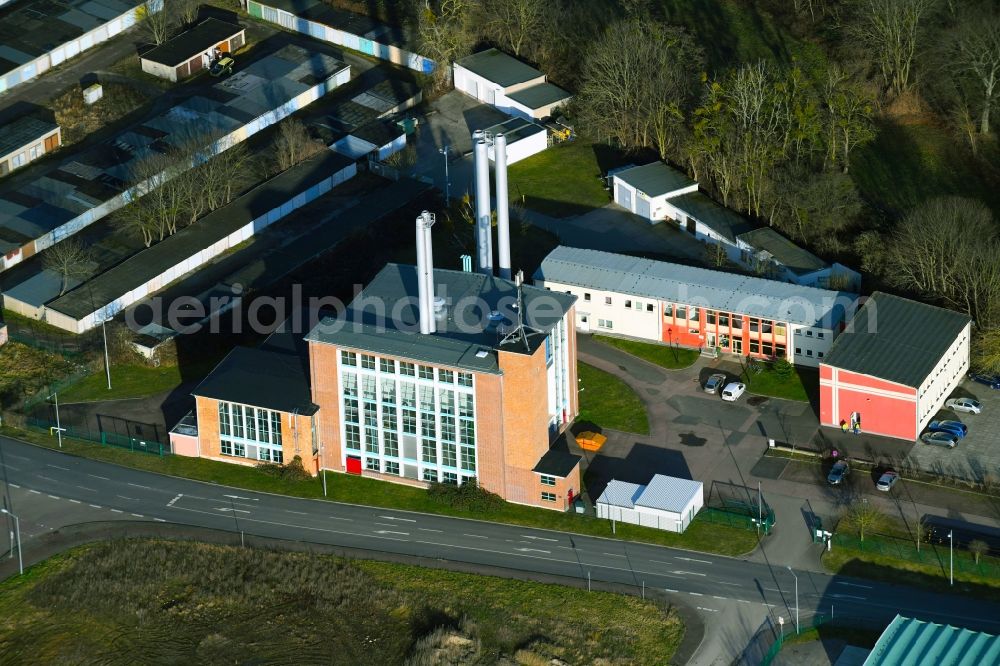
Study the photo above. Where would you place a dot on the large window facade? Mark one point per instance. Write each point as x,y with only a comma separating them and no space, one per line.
250,432
408,419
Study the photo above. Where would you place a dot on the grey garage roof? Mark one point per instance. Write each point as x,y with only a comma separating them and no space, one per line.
515,129
539,95
383,318
655,179
192,42
669,493
22,132
727,223
700,287
621,493
498,67
784,251
896,339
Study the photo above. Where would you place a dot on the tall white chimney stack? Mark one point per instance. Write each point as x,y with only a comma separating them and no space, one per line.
425,273
484,228
503,209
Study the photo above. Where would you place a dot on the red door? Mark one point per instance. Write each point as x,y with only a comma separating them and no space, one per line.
353,465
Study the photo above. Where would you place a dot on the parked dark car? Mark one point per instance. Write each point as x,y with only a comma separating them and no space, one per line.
956,428
838,473
992,381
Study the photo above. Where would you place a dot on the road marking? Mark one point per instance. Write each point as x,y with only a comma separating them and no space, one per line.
171,502
528,536
847,596
688,573
385,524
667,589
391,532
696,594
55,497
14,455
691,559
65,469
47,478
139,485
75,501
840,582
230,509
138,515
717,597
159,520
769,605
476,536
96,506
301,513
743,601
533,550
722,582
710,610
115,510
34,491
254,499
89,490
103,478
130,499
14,485
660,562
614,554
427,529
405,520
770,589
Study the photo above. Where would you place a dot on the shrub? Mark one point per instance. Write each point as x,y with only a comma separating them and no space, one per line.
782,368
293,470
468,496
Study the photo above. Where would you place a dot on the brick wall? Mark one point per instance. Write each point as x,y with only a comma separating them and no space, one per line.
326,394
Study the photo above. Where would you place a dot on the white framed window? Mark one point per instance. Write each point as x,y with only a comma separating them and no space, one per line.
392,467
548,480
450,478
349,358
605,323
607,300
430,475
548,497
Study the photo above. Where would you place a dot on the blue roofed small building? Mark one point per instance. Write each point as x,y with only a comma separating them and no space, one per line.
665,503
912,642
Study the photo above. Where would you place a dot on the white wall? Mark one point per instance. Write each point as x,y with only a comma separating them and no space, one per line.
659,206
808,345
647,517
522,148
627,321
945,377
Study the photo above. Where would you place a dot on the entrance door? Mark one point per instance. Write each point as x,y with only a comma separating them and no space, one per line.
690,226
737,346
583,322
710,340
642,208
624,196
353,465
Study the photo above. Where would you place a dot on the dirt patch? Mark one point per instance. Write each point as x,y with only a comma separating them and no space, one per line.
79,120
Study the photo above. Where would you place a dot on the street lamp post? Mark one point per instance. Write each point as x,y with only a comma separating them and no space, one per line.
447,179
17,531
55,396
951,557
796,600
107,364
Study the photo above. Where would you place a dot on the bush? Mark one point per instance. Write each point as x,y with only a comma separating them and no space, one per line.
782,368
293,470
468,496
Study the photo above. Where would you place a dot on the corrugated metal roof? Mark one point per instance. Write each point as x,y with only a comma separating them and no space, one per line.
896,339
911,642
699,287
727,223
498,67
669,493
655,179
783,250
621,493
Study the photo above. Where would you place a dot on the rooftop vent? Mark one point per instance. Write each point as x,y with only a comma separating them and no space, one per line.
482,353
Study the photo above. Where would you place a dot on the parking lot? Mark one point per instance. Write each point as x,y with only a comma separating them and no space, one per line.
978,454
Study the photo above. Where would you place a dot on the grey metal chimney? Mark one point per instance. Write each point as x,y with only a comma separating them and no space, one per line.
425,273
484,228
503,209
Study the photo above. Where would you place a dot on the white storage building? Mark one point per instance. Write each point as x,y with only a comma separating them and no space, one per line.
524,139
644,190
510,85
665,503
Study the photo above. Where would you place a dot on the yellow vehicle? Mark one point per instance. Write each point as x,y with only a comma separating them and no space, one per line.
222,66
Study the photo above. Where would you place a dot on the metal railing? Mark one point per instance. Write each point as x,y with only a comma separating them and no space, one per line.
104,438
930,553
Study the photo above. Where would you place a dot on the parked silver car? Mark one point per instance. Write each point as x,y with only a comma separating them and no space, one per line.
714,383
887,481
966,405
940,438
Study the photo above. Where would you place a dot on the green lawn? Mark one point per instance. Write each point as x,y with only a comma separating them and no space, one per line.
159,601
608,402
771,384
562,181
706,537
672,358
127,381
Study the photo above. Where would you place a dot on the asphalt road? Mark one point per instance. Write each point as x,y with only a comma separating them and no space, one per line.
36,476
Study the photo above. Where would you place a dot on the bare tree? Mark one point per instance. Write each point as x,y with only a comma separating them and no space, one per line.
986,349
70,259
923,530
514,23
446,33
975,53
155,206
978,548
157,24
187,10
849,116
757,118
292,144
864,516
889,31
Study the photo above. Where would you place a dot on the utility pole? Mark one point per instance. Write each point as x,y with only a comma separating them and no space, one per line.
107,364
951,557
17,531
447,180
796,600
58,424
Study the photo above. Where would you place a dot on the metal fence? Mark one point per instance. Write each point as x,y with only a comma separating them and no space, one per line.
779,640
934,554
723,517
104,438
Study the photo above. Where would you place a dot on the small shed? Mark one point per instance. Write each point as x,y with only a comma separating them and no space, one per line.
194,50
524,139
379,139
665,503
644,190
518,89
25,139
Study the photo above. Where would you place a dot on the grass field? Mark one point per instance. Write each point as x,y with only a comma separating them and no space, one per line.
769,383
561,181
127,381
706,537
672,358
150,601
609,402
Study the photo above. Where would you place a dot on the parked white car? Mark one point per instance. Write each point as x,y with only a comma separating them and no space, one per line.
967,405
733,391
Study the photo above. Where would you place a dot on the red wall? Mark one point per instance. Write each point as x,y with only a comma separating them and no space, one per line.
880,415
845,377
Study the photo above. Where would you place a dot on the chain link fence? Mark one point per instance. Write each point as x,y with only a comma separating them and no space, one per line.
935,554
103,438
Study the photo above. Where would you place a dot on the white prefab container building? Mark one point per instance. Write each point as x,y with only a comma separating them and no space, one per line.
524,139
665,503
495,78
644,190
